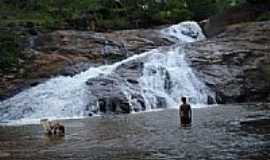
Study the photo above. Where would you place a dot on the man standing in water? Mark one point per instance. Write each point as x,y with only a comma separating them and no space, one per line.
185,113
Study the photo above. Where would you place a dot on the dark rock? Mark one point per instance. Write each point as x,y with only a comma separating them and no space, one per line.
119,92
168,83
111,97
210,100
161,102
236,63
132,81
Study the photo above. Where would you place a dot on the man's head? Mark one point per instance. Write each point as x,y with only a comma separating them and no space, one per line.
184,100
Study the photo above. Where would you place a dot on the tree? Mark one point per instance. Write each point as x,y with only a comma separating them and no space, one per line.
201,9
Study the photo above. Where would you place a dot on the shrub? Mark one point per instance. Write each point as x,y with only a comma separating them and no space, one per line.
264,17
9,52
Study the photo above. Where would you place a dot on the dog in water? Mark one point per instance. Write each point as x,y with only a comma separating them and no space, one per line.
52,128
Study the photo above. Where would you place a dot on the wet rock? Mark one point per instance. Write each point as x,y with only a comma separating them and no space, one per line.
161,102
119,92
114,104
210,100
168,83
110,93
236,63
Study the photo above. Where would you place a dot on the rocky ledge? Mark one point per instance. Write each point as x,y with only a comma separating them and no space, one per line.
236,63
68,52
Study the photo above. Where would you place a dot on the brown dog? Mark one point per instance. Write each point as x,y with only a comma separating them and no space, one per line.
52,128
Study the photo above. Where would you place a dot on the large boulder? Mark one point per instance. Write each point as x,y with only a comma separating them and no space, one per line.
118,92
236,63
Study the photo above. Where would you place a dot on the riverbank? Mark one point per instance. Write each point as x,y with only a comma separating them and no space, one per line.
223,132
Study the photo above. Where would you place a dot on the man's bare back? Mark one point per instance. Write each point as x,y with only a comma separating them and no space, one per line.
185,113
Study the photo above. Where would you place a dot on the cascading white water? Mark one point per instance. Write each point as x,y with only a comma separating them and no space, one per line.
166,74
169,76
184,32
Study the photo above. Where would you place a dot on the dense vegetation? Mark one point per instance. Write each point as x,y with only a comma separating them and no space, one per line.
113,14
99,15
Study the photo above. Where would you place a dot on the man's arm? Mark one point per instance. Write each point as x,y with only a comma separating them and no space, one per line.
180,111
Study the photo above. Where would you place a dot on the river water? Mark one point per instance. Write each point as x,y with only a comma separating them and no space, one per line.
221,132
217,132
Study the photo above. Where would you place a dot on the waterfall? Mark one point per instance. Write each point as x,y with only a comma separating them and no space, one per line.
166,75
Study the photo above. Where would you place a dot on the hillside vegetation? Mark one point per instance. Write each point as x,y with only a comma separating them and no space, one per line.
22,18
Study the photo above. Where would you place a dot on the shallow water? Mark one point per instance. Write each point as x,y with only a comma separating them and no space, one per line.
223,132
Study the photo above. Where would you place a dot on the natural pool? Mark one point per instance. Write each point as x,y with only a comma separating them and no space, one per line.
222,132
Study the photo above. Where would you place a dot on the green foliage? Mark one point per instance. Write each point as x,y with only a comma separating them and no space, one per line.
55,13
132,13
222,5
258,1
174,11
264,17
202,9
8,51
115,23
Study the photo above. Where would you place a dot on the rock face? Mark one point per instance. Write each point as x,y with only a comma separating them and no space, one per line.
95,45
236,63
119,92
68,52
62,49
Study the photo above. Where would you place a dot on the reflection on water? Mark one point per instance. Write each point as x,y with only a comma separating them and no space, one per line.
224,132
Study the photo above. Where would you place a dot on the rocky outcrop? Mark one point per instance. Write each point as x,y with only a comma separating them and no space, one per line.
96,45
236,63
61,49
119,92
69,52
